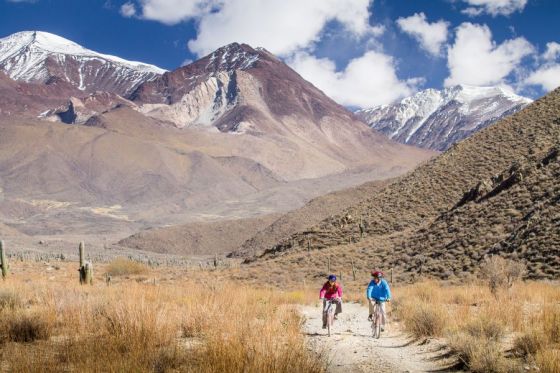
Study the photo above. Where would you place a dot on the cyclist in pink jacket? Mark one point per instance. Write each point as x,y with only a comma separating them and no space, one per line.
331,290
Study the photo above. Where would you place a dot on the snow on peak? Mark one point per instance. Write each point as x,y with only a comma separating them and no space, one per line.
435,118
23,54
234,56
466,93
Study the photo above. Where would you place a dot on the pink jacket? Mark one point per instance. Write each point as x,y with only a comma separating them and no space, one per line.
329,292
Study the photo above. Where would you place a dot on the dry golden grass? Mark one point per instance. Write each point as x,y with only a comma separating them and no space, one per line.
126,267
174,325
481,327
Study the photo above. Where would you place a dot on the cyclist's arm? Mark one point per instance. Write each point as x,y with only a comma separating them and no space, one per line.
322,292
339,291
387,291
369,289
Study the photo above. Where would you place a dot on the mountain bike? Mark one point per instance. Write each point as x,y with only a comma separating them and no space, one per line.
330,310
377,318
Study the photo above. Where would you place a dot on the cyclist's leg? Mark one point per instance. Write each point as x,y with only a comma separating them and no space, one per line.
324,313
383,314
371,305
338,308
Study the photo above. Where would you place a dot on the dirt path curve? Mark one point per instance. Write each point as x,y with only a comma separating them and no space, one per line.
351,347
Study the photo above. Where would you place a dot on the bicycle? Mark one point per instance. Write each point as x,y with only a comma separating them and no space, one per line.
330,311
377,318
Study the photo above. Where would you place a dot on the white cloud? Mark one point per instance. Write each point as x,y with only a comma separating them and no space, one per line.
171,12
430,35
552,51
291,29
494,7
367,81
547,76
281,26
128,10
475,59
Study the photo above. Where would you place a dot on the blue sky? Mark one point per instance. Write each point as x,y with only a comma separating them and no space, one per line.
362,53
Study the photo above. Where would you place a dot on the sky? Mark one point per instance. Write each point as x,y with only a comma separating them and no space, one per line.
362,53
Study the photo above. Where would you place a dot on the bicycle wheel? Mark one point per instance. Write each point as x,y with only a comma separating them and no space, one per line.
376,322
377,331
330,320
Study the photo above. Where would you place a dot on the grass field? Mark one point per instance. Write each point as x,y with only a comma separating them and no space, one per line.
169,319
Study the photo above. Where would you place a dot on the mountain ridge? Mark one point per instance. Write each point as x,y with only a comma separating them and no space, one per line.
430,218
37,56
436,119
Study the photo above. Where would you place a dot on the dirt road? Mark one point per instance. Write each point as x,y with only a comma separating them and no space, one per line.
351,347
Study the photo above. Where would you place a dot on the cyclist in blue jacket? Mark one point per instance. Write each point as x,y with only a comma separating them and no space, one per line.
378,290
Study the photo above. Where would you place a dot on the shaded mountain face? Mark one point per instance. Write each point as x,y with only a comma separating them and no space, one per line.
436,119
495,193
33,56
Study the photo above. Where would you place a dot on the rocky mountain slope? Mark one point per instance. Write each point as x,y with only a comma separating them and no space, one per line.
128,164
436,119
240,90
35,56
493,193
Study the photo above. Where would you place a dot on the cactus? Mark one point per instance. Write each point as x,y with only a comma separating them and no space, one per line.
362,227
3,261
86,268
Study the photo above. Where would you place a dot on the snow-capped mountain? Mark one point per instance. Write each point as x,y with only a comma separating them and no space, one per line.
237,89
436,119
33,56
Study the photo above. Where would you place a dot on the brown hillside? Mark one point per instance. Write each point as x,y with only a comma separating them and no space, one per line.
198,238
312,213
453,239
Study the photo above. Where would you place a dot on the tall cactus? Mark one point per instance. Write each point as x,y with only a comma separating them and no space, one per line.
3,261
81,251
86,268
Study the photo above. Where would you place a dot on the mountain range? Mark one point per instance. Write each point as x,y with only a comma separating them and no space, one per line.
34,56
437,119
235,134
494,193
215,153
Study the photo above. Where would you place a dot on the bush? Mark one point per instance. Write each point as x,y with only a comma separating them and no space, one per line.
501,273
485,328
529,343
479,355
28,328
424,320
126,267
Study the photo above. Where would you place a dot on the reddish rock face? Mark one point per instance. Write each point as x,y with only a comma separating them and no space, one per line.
32,99
281,89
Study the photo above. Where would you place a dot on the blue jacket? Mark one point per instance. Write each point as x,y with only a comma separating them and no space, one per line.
379,291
